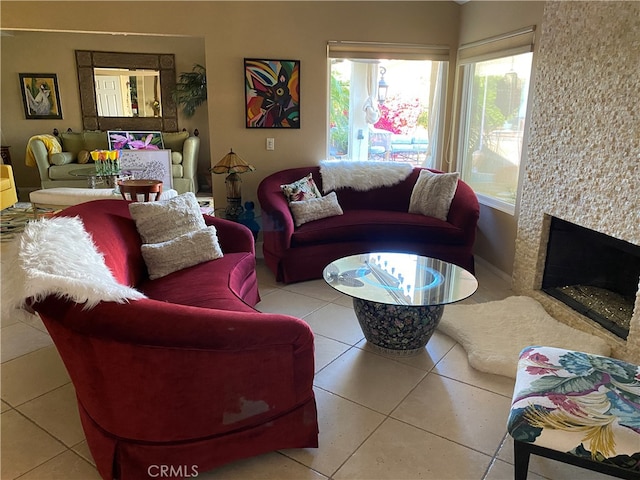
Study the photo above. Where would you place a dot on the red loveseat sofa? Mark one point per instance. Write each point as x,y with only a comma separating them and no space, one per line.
373,220
192,377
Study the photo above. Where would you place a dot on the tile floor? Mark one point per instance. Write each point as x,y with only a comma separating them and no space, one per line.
425,417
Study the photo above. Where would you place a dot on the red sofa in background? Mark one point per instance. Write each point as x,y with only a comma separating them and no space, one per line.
373,220
192,377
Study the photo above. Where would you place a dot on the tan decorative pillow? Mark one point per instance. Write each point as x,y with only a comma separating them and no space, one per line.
432,194
83,156
174,141
315,209
165,220
181,252
300,190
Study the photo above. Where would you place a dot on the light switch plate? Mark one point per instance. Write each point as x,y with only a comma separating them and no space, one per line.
271,143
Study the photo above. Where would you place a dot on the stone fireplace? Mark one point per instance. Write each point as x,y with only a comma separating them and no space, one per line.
583,161
594,274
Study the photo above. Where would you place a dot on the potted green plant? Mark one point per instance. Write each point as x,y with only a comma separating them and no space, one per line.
191,90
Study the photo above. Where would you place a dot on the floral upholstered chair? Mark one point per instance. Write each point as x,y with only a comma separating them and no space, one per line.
577,408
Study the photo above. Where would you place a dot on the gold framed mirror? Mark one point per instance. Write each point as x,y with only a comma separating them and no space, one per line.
164,113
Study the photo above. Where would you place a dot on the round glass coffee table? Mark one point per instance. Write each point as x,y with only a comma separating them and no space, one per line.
93,178
399,298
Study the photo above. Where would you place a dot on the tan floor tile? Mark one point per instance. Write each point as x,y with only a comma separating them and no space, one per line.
369,379
456,411
31,375
270,466
7,320
266,280
289,303
548,468
491,286
334,321
343,427
57,413
36,322
344,300
82,449
456,365
504,471
399,451
438,346
4,407
67,466
314,288
19,339
24,445
327,350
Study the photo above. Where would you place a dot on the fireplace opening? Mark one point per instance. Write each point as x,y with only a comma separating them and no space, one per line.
593,273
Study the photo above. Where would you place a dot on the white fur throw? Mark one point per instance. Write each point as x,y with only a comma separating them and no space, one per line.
58,257
361,175
494,333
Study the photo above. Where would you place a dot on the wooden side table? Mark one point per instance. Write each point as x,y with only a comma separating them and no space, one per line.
149,189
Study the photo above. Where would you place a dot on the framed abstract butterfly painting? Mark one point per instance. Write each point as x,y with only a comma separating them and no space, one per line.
272,93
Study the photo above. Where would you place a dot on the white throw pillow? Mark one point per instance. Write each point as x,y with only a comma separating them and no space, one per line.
315,209
184,251
432,194
174,234
165,220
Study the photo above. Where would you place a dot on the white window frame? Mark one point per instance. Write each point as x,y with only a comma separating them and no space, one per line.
392,51
506,45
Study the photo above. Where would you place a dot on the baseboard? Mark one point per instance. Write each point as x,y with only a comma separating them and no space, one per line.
259,249
493,269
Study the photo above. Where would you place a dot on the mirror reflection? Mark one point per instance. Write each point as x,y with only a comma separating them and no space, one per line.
124,92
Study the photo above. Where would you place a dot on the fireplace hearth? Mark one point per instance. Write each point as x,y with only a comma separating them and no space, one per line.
593,273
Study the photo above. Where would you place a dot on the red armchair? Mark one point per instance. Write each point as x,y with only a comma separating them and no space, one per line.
192,377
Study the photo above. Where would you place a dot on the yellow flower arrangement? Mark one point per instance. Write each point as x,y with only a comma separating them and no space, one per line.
107,162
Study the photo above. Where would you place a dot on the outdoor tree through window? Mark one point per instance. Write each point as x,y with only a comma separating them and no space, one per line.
495,96
385,109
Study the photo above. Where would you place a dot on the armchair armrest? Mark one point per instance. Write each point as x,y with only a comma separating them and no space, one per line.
9,193
41,155
190,151
277,221
464,211
233,237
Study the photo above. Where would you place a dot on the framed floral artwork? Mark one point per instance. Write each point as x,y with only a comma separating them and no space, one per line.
138,140
272,93
40,96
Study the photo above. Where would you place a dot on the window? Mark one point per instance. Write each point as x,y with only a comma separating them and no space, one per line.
385,104
495,90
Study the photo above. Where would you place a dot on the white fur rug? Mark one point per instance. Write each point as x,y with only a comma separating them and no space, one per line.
361,176
57,257
494,333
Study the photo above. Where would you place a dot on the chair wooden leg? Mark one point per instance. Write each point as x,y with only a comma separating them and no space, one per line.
521,452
